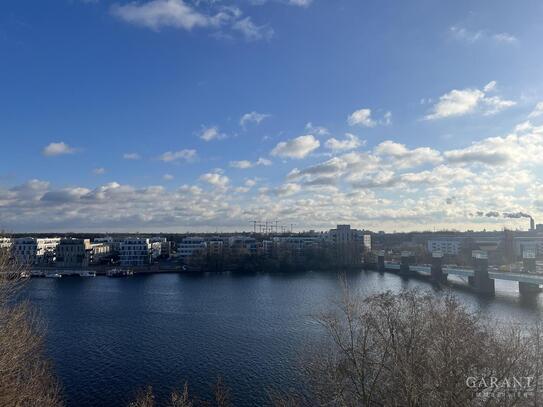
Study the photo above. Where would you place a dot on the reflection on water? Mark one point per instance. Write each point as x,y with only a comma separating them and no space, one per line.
109,337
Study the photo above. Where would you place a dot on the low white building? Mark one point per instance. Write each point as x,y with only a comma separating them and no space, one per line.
446,245
135,252
520,244
30,250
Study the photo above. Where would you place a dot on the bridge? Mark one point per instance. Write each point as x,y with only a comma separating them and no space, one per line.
479,277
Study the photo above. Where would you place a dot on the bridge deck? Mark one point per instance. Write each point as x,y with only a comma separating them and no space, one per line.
462,272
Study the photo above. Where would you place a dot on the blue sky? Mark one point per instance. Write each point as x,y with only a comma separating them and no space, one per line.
389,115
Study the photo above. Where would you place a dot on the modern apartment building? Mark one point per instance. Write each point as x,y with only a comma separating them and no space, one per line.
215,247
242,245
349,244
35,251
161,247
190,246
101,252
73,253
135,252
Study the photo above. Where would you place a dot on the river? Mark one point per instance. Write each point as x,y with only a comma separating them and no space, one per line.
109,337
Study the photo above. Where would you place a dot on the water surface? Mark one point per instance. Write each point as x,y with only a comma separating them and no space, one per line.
110,337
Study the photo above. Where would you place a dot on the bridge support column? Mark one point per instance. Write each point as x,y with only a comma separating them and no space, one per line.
481,282
381,261
437,275
529,265
404,264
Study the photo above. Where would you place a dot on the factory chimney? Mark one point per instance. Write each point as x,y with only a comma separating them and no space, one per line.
532,224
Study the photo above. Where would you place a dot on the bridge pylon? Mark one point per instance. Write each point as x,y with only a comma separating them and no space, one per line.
437,275
529,266
405,262
482,283
381,261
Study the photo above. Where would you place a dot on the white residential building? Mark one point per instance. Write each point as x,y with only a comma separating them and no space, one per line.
161,247
156,249
135,252
446,245
114,243
100,252
30,250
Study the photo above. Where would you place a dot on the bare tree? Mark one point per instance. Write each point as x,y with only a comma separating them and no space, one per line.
416,349
221,398
146,398
181,399
26,376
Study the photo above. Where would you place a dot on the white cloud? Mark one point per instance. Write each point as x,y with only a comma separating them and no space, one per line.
387,119
361,117
490,86
298,147
288,189
474,36
298,3
243,164
467,101
350,142
168,177
252,117
263,161
495,104
392,186
404,157
99,171
181,14
316,130
60,148
156,14
464,34
251,31
538,111
131,156
246,164
182,155
524,148
456,103
301,3
251,182
211,133
505,38
216,179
